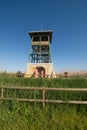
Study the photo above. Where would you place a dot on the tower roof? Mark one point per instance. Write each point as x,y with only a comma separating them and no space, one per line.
41,33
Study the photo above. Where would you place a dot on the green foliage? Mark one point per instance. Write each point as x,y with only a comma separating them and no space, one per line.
17,116
8,80
20,74
32,116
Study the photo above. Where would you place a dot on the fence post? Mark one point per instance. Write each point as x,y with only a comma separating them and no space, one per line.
2,93
43,97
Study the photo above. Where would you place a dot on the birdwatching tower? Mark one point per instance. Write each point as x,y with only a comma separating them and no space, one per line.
40,58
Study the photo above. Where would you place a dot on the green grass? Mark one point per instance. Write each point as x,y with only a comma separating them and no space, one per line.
32,116
7,79
12,80
17,116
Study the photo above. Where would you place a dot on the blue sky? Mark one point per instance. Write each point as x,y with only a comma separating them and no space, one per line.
67,19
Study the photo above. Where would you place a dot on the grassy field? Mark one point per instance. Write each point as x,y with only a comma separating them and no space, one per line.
32,116
17,116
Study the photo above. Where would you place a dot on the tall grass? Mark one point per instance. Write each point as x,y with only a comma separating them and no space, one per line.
17,116
11,80
32,116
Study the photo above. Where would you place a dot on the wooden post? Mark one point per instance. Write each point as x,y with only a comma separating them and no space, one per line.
43,97
2,93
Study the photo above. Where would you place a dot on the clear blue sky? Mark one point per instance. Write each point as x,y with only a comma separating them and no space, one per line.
67,19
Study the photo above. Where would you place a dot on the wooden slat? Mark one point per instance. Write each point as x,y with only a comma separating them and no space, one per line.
43,100
46,101
44,88
68,101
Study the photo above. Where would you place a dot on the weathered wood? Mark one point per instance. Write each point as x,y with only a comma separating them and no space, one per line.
68,101
43,97
46,101
47,89
2,93
43,100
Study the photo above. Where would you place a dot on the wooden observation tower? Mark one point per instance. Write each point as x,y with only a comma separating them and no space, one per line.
40,58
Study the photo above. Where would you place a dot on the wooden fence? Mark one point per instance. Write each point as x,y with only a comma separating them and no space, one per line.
44,90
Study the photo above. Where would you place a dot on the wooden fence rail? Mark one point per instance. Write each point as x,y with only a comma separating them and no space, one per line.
43,89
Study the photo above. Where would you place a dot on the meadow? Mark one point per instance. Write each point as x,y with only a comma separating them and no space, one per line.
16,115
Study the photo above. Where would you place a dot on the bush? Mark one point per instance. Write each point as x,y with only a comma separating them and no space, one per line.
20,74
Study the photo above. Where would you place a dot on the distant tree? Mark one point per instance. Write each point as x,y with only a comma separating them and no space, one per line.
20,74
65,74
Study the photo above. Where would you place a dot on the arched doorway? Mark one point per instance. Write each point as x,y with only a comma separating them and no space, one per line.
40,71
